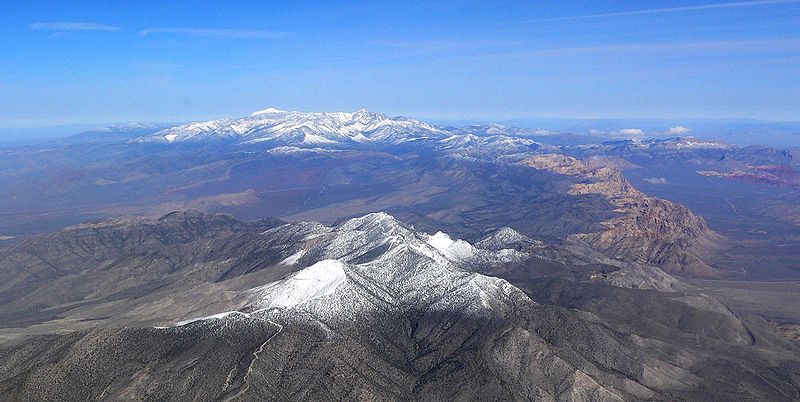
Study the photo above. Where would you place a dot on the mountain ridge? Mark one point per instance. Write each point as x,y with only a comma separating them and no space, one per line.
378,310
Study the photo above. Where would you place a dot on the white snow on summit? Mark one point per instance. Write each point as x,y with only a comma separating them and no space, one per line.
279,127
373,256
453,250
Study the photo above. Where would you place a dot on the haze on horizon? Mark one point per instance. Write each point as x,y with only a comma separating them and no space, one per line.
104,62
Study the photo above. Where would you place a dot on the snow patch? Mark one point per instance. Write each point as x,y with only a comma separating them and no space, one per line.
209,317
318,280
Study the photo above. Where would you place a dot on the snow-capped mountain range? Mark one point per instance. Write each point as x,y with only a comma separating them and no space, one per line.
332,266
280,127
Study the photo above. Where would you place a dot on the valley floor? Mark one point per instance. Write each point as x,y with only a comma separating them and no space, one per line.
777,302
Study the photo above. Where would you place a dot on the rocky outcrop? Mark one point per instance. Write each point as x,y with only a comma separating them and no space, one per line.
647,230
785,176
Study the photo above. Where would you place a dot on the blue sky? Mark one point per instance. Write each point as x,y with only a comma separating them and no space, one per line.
101,62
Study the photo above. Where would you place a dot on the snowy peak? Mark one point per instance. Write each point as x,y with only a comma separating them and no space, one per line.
344,270
267,111
377,221
292,131
505,238
376,238
280,128
453,250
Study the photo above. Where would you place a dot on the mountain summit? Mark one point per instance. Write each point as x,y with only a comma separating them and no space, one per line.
280,127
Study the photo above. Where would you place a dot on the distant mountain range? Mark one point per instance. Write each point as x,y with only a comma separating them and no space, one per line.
273,127
554,131
281,127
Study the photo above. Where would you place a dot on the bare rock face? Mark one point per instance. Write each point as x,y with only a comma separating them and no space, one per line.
648,230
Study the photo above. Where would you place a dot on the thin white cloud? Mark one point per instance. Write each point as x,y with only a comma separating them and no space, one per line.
666,10
657,180
632,131
544,131
678,130
218,33
626,133
732,45
441,44
72,26
743,46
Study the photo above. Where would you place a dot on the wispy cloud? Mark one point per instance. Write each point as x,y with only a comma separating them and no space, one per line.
678,130
631,132
72,26
657,180
730,45
666,10
218,33
628,133
441,44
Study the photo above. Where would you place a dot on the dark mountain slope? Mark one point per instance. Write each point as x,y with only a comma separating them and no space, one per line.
371,309
122,259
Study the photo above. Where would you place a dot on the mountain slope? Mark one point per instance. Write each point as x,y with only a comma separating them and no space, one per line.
371,309
108,261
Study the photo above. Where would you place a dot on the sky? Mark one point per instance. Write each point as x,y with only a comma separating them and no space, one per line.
116,61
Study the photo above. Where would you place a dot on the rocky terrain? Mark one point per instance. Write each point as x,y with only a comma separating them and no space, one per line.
768,174
755,163
94,266
628,199
745,194
650,230
372,309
